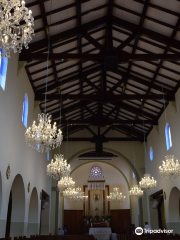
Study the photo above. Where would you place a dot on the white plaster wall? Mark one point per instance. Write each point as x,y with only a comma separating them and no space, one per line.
157,140
23,160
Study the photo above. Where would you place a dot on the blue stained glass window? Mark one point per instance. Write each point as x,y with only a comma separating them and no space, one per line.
151,154
48,155
25,110
134,175
168,136
3,71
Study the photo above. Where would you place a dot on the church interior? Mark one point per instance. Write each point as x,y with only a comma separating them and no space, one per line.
89,119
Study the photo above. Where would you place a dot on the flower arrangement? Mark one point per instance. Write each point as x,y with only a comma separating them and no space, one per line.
87,218
106,217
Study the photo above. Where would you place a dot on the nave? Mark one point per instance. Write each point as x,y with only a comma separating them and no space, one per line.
89,119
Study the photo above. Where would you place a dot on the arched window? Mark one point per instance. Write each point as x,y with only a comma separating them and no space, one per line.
168,136
25,110
3,70
151,154
48,155
134,175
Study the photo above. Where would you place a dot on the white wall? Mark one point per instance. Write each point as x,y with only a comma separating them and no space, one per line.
157,140
23,160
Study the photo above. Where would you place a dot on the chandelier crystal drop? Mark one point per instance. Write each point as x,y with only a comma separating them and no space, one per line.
169,168
65,182
16,26
116,196
59,168
147,183
43,137
136,192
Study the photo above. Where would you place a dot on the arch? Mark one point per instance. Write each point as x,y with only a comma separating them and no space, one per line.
129,163
3,70
18,207
0,192
100,161
111,151
33,224
168,136
25,110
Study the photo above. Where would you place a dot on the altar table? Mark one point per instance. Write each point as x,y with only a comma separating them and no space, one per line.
100,233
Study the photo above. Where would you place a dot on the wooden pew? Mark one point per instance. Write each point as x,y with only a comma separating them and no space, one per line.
148,237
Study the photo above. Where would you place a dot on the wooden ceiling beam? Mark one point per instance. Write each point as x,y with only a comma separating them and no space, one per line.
93,42
65,35
67,80
105,97
146,32
123,58
120,139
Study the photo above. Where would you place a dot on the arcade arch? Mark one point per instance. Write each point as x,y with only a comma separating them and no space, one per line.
16,209
33,225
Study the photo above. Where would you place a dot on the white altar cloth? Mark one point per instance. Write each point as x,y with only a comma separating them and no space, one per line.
104,230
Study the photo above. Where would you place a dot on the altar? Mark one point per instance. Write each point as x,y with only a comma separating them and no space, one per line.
101,233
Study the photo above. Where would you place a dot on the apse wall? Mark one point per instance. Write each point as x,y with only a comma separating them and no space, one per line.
124,151
157,141
22,159
119,176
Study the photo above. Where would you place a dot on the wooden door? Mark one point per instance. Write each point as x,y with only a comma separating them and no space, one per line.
121,221
74,220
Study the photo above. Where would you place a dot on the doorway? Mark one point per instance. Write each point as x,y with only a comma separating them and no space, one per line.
157,210
44,220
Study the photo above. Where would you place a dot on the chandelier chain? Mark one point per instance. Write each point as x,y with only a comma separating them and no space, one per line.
47,74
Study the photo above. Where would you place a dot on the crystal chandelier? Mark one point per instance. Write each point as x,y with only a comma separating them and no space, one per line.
116,196
148,184
59,168
16,24
65,182
75,195
136,192
43,137
170,169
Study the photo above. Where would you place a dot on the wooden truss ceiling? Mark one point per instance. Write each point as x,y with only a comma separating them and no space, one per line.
144,36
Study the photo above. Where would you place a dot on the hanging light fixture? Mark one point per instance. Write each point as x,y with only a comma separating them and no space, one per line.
16,26
116,196
169,168
65,182
59,168
75,195
43,137
136,192
147,183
